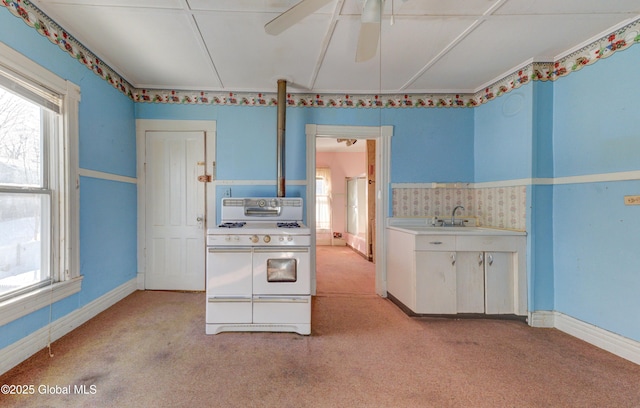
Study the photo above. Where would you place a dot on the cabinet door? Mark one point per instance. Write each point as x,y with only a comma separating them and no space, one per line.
435,282
470,282
499,283
401,268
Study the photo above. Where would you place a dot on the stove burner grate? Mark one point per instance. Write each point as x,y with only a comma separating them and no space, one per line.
232,225
288,225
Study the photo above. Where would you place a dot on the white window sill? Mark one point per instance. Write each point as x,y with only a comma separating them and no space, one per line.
17,307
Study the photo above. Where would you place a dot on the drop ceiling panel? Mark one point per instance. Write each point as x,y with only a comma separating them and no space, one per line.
149,47
434,45
249,60
500,44
339,72
271,6
426,7
168,4
547,7
422,41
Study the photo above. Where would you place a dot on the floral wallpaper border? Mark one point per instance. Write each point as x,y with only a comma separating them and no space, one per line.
537,71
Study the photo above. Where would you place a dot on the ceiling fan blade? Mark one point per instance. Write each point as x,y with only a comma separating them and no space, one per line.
369,30
294,15
367,41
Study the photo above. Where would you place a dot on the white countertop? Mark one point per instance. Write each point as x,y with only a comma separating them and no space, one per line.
418,227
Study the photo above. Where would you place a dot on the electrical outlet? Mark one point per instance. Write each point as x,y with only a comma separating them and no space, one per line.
632,200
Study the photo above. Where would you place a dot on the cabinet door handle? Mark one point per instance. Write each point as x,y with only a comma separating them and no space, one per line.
453,258
480,258
490,261
435,242
280,299
229,299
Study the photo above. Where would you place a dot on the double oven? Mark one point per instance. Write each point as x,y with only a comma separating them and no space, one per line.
258,267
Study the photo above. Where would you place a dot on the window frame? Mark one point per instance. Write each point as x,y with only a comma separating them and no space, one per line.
63,169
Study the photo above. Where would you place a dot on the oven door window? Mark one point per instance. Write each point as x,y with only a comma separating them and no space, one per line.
282,270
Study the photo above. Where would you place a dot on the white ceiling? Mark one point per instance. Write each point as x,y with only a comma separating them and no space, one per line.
327,144
434,46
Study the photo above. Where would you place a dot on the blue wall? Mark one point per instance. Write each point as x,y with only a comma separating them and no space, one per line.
583,256
503,137
108,210
583,242
540,210
596,133
439,141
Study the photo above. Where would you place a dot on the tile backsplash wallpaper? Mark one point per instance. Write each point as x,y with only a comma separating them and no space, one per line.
500,207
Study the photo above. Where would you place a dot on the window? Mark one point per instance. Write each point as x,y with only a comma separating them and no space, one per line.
38,176
323,199
25,196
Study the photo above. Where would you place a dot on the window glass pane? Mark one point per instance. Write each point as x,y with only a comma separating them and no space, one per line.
320,186
20,141
323,213
24,242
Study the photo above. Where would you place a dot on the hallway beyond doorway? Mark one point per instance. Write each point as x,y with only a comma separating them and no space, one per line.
340,270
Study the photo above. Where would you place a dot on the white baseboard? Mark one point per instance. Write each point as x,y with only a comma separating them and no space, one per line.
24,348
606,340
542,318
140,279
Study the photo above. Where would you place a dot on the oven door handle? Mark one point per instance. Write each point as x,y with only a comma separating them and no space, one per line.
280,250
227,299
227,250
280,299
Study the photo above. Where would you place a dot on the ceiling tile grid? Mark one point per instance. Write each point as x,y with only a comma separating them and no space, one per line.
456,53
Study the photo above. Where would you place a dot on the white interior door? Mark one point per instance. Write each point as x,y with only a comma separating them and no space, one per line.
175,210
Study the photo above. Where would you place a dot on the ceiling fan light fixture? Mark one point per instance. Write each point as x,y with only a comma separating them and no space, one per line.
372,11
348,142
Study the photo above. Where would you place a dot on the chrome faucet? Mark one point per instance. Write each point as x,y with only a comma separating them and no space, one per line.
453,215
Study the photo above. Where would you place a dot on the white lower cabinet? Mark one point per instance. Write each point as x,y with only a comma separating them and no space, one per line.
499,283
435,282
431,274
485,283
470,296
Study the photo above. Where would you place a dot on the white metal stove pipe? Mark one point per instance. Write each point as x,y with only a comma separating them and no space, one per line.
282,105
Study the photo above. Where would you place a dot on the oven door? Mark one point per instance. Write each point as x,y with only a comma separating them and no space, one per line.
281,271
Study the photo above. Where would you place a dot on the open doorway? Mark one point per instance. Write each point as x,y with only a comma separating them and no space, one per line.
345,203
381,135
345,216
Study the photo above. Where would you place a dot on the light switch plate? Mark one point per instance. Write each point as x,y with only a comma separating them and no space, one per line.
632,200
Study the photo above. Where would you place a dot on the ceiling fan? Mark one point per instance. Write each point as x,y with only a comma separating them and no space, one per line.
369,23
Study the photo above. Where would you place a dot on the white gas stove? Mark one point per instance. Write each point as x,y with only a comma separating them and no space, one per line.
258,267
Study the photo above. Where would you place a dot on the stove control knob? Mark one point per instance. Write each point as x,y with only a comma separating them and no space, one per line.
228,238
290,238
254,238
266,238
281,238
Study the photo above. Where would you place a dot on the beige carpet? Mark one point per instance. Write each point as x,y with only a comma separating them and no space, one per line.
150,350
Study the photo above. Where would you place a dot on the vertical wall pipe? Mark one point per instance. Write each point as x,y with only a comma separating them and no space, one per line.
282,116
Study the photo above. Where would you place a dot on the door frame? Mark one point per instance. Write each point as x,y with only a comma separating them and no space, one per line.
382,136
142,127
